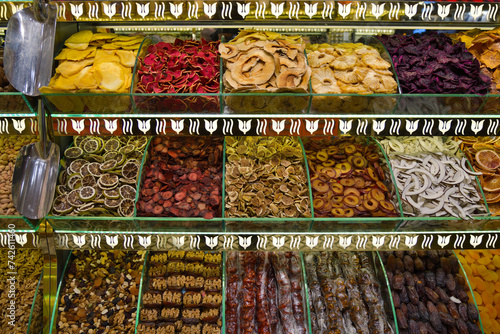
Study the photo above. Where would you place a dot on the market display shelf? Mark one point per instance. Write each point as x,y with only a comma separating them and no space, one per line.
467,13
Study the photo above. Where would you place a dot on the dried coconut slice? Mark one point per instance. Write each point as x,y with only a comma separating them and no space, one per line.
110,76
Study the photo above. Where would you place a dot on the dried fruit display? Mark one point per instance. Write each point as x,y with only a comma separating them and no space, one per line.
482,268
100,292
349,179
182,178
265,177
265,293
483,153
183,294
179,67
344,293
350,69
430,63
100,177
433,178
29,263
9,148
94,63
9,103
429,293
265,62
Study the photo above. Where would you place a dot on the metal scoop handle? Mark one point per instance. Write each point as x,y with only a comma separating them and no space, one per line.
45,130
41,10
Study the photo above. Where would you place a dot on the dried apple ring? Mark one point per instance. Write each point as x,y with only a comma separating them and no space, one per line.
323,177
349,212
328,163
350,149
351,200
257,77
344,167
337,199
382,186
337,212
351,191
337,188
347,182
322,155
318,203
377,194
372,174
320,186
359,162
386,206
371,204
372,157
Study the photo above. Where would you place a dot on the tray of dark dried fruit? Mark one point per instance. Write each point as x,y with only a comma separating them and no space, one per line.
181,181
352,185
99,292
430,292
348,293
265,293
182,293
266,185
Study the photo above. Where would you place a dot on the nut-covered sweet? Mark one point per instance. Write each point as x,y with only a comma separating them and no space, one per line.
182,178
100,292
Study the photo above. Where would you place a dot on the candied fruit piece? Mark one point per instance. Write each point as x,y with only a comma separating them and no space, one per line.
480,285
469,259
475,255
478,298
496,261
487,298
484,261
482,270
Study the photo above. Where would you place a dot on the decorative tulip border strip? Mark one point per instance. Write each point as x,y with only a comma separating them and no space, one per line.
242,125
22,240
278,242
257,10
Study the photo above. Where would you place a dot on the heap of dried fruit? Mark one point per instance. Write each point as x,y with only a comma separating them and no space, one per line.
482,268
431,63
417,144
483,153
348,68
182,178
265,62
179,67
348,179
94,63
100,292
356,306
265,177
183,294
429,293
101,176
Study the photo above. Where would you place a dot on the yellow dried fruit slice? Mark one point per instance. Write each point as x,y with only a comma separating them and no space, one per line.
105,56
103,35
323,81
127,58
62,54
127,43
84,36
85,79
69,68
123,38
77,55
109,76
134,47
110,46
126,83
77,46
64,83
488,160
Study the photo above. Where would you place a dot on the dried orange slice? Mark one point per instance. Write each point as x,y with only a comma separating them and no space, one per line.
478,146
492,197
488,160
491,184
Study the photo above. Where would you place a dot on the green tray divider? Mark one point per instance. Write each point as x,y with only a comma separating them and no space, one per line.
143,46
34,303
306,287
141,286
223,209
308,184
462,272
145,157
223,305
379,265
55,313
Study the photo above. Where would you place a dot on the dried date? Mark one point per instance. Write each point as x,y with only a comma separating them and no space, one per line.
431,295
422,310
446,264
402,319
412,295
400,265
450,282
472,312
453,310
403,295
398,282
419,264
440,277
462,327
409,280
462,310
443,295
395,299
473,329
446,319
429,264
391,263
413,312
408,263
435,321
430,279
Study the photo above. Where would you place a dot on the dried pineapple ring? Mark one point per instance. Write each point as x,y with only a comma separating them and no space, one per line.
375,62
380,83
109,76
317,59
346,62
323,81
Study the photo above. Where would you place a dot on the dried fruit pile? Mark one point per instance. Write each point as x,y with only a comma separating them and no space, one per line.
179,67
348,68
483,269
182,178
29,264
429,293
431,63
265,293
344,294
9,103
265,177
348,179
94,63
101,176
100,292
483,153
265,62
417,144
183,294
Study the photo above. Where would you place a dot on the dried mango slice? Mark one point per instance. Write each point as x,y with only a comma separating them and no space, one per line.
77,46
64,83
123,38
105,56
110,76
62,54
134,47
85,79
80,40
110,46
77,55
69,68
131,42
127,58
72,103
126,84
98,36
